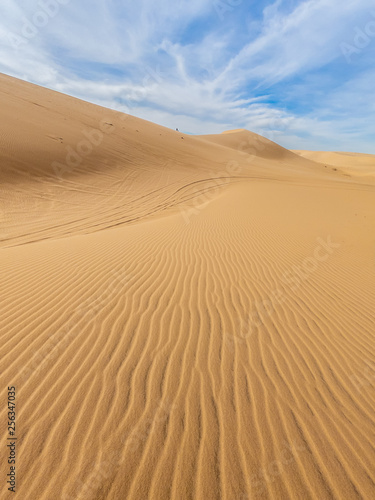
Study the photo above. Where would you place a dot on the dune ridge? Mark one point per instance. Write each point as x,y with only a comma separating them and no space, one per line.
183,317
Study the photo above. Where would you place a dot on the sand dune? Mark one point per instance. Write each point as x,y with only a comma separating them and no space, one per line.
353,164
183,317
251,143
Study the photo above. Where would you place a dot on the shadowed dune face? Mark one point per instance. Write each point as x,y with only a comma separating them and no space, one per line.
183,317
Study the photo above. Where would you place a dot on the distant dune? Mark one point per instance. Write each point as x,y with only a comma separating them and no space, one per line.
354,164
183,317
253,144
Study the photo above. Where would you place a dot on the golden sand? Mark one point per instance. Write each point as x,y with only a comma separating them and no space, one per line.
182,317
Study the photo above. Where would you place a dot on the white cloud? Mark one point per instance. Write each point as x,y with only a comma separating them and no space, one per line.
308,37
156,65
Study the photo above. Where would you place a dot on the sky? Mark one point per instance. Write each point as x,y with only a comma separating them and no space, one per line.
300,72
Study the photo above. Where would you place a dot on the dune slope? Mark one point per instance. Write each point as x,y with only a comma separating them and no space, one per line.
255,144
182,318
353,164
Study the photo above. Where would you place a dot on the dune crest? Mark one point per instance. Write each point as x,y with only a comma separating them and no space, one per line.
252,143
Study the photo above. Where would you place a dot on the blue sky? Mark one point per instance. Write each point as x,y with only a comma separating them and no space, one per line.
299,72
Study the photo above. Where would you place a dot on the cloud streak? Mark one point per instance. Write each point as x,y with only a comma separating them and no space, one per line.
276,68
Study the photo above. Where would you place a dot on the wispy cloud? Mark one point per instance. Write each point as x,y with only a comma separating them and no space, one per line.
277,68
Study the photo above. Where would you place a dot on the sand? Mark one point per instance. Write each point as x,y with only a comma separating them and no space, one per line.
182,317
